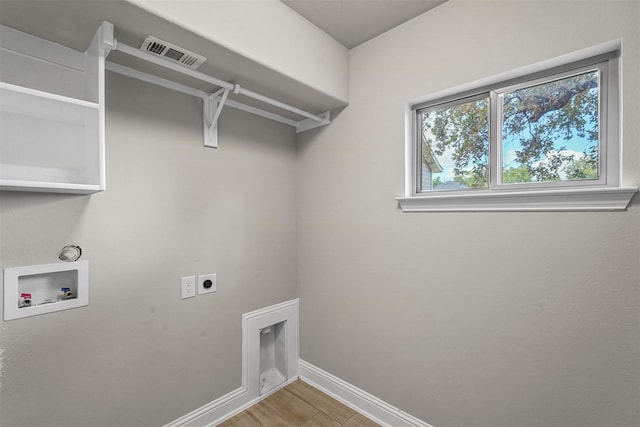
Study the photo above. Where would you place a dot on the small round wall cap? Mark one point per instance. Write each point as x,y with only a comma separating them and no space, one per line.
70,253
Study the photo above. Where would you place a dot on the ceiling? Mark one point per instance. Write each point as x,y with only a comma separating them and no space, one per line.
72,23
353,22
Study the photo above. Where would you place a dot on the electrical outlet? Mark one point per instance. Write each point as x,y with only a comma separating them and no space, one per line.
188,288
206,283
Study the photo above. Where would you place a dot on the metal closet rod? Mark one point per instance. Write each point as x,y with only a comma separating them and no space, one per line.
130,72
235,88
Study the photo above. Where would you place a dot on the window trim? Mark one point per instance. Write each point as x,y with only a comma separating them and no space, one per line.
607,195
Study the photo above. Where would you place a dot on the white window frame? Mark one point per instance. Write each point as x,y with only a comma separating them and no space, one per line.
605,150
606,193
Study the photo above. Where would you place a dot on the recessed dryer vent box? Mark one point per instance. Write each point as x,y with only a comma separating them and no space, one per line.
41,289
273,356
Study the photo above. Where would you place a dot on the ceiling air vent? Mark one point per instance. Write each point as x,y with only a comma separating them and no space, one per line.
172,52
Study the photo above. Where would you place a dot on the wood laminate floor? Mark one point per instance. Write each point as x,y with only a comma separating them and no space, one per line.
299,404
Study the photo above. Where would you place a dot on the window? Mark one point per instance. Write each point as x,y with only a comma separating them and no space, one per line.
454,145
546,140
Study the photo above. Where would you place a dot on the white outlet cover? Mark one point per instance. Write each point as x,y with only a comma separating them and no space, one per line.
203,278
188,287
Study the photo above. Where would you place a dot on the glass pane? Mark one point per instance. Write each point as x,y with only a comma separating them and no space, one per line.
550,131
455,146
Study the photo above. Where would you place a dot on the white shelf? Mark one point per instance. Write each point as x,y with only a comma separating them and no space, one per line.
45,140
48,187
52,114
9,88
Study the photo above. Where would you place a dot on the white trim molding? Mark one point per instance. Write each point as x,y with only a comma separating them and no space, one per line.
225,407
363,402
248,394
240,399
252,323
216,411
574,199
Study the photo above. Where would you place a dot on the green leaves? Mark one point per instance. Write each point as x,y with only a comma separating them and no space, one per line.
460,134
549,133
543,120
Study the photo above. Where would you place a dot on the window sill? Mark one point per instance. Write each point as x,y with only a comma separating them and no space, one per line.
582,199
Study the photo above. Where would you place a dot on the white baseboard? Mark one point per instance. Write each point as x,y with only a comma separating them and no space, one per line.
240,399
217,411
368,405
225,407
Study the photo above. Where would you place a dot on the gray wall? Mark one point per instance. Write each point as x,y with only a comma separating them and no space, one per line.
469,319
461,319
138,355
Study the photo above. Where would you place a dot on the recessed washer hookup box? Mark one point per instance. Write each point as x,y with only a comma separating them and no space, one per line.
41,289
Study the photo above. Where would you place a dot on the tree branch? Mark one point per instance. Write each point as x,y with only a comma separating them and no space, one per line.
550,97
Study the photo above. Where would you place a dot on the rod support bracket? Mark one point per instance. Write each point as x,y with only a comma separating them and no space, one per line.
307,124
211,109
